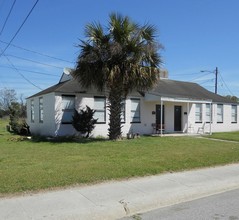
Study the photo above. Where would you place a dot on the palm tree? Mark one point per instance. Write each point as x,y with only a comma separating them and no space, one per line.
120,58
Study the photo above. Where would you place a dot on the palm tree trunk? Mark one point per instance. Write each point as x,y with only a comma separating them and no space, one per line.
115,104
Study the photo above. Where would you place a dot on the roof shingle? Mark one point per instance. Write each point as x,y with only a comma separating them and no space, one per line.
180,89
165,87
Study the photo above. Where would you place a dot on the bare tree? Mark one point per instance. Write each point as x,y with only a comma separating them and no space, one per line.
7,96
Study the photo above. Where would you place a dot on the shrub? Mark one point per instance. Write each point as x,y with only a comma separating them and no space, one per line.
17,123
83,121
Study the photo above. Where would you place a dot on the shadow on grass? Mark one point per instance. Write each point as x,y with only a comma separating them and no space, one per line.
60,139
71,139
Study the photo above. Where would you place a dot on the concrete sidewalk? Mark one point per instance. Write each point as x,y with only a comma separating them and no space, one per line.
114,200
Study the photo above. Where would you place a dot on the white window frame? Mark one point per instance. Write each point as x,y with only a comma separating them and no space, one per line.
100,109
122,115
198,114
135,112
233,114
220,113
41,113
32,111
208,113
67,109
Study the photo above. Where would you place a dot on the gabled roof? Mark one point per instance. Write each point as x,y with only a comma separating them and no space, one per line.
164,88
188,90
70,86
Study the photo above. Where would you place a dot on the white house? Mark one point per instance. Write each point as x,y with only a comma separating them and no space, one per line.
187,108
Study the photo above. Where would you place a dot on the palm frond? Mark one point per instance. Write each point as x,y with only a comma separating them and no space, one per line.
94,32
149,32
121,28
121,58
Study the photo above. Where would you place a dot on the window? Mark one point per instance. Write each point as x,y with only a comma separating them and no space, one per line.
41,109
135,110
234,113
208,113
32,111
198,113
100,110
68,106
219,113
122,111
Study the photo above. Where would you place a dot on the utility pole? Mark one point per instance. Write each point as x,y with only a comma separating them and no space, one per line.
216,73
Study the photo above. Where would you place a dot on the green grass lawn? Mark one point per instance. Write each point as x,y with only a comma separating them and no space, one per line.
231,136
26,165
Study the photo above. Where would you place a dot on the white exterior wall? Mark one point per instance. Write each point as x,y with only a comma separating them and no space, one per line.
145,127
169,115
47,127
81,100
227,125
52,125
146,118
61,129
188,117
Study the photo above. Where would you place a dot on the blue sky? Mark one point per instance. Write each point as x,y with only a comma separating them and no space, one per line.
196,34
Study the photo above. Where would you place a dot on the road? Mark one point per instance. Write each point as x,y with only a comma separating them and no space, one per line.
217,207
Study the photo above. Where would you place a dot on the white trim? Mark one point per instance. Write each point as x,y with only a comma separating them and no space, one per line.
169,99
152,97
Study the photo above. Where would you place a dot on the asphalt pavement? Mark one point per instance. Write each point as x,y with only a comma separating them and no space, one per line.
117,199
222,206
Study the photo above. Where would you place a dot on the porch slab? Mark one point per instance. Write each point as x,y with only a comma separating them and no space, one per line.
175,135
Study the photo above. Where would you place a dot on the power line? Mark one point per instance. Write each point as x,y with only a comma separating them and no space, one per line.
3,51
200,76
39,53
205,81
30,71
225,85
13,66
22,74
5,22
33,61
184,74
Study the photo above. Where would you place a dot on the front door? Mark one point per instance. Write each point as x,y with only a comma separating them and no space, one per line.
177,118
158,114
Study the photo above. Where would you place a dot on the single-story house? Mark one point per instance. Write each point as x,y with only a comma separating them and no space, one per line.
172,106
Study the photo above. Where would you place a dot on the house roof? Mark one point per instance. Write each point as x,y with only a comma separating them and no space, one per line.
164,88
188,90
70,86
